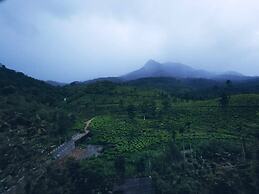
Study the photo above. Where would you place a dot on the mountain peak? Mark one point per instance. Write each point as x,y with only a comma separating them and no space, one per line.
177,70
152,63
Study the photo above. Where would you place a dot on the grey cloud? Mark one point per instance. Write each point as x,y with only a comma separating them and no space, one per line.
81,39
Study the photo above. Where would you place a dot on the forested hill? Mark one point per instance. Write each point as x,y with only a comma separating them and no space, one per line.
198,88
31,121
16,83
163,128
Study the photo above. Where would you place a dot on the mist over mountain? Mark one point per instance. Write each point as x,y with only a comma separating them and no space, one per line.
177,70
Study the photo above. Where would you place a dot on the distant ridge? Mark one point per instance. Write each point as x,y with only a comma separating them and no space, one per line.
54,83
177,70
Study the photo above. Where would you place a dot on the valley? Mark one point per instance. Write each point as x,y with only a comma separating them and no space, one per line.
185,142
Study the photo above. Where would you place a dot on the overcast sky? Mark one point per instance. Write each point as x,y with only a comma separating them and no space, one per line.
81,39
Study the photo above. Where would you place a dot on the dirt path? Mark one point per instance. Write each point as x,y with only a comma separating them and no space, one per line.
87,124
65,150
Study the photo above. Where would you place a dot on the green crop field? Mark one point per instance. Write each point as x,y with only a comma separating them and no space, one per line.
126,136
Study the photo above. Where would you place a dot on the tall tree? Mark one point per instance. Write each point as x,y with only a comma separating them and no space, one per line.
224,100
243,139
182,130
